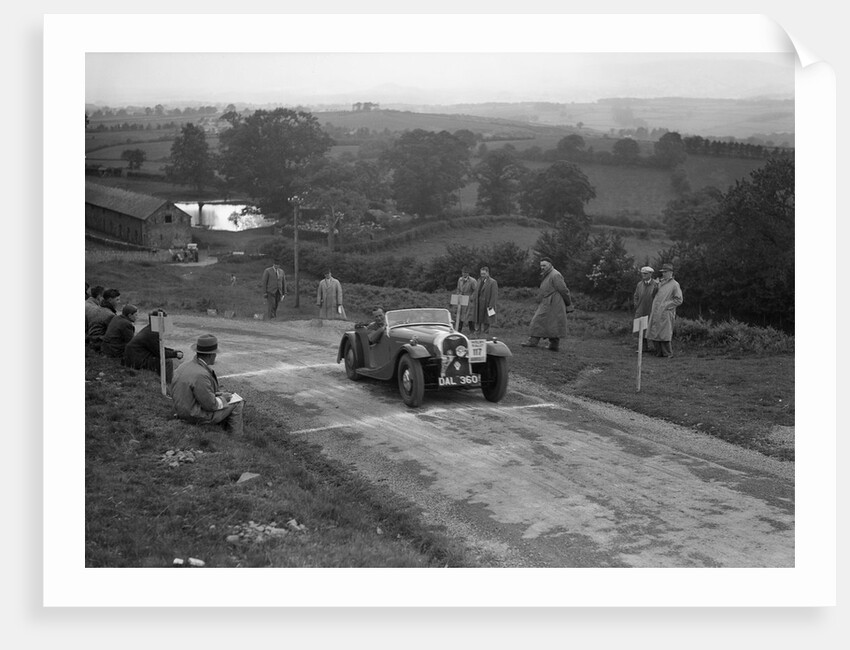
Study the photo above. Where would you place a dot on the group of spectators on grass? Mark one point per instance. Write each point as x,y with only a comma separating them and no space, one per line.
193,387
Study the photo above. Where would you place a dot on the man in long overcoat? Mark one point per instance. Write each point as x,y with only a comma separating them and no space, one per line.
550,319
663,313
329,297
273,285
466,286
645,291
486,296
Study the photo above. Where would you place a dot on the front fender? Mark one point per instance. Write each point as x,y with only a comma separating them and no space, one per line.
498,349
415,351
348,337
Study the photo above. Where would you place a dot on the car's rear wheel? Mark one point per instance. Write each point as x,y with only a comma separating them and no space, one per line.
411,381
494,379
350,362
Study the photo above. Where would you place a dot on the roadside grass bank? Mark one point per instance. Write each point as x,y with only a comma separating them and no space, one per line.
727,379
158,489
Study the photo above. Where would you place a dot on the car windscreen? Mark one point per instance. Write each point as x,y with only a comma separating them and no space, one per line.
418,317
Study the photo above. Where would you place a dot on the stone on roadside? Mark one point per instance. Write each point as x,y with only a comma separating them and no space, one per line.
193,561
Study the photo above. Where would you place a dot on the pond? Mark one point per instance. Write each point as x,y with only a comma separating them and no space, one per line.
223,216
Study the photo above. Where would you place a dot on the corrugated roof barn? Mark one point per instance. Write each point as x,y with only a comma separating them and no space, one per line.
136,218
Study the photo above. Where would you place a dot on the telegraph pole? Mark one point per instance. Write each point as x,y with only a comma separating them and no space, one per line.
295,255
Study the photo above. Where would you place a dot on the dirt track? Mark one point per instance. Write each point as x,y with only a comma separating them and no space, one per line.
538,480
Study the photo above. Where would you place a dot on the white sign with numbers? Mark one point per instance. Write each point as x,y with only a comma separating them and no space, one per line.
477,350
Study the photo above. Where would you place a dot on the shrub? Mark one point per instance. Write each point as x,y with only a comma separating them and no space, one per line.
732,335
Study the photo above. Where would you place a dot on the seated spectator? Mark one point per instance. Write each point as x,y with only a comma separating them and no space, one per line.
100,319
142,352
196,394
93,303
119,332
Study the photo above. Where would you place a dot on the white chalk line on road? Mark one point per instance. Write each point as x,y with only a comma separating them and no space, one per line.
281,367
370,422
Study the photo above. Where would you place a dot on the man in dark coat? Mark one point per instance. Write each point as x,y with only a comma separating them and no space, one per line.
101,317
484,306
274,288
550,319
142,352
119,332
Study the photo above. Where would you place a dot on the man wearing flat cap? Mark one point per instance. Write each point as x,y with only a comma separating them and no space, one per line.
645,291
663,314
196,394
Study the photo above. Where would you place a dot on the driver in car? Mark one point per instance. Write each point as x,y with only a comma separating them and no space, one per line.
375,329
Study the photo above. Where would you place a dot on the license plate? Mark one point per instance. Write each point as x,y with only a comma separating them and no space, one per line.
460,380
477,350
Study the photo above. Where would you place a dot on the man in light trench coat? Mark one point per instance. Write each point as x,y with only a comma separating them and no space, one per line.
466,286
550,319
663,313
329,298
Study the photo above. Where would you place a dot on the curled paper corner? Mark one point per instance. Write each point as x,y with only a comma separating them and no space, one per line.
785,41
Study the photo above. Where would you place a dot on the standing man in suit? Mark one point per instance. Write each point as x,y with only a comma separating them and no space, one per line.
274,288
485,302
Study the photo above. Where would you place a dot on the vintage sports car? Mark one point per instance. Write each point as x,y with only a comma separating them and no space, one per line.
421,349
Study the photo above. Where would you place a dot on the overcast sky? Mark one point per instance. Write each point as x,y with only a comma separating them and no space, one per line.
290,78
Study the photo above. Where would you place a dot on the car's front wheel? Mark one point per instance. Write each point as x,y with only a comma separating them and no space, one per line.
350,362
411,381
494,379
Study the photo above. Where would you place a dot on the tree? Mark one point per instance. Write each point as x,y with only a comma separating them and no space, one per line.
626,151
570,147
427,169
670,150
265,154
499,174
736,251
754,235
612,269
690,217
334,188
191,160
559,190
134,158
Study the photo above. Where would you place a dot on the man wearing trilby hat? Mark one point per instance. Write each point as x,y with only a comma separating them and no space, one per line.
663,313
196,393
645,291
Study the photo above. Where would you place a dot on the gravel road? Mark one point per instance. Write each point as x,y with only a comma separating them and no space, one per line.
542,479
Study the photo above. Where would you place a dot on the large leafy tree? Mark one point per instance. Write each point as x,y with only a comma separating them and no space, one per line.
335,189
626,151
559,190
734,252
191,161
499,174
266,153
670,150
427,169
134,157
754,237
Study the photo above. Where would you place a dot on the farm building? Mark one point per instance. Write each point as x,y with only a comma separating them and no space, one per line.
139,219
